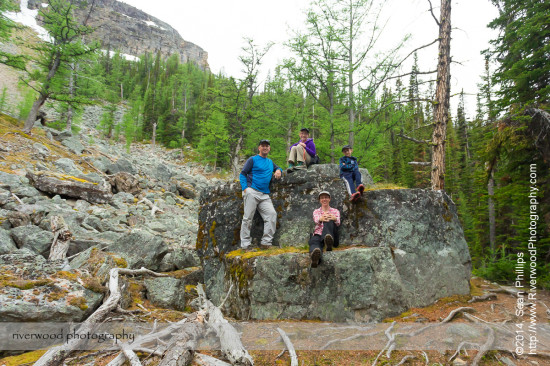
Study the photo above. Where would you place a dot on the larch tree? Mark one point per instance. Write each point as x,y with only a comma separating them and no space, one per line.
65,48
6,27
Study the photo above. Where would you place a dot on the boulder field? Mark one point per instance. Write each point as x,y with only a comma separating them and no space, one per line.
399,248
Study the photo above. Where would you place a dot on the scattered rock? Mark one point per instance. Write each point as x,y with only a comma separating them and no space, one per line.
125,182
166,292
6,243
73,144
35,290
33,238
121,165
67,166
17,218
55,183
141,249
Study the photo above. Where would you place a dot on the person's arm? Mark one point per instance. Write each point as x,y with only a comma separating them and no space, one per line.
310,147
247,169
293,145
344,164
316,216
337,214
278,171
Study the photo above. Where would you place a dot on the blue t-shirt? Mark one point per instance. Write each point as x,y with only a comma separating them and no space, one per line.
257,173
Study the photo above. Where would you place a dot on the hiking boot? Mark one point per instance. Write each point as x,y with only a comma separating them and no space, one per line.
329,242
300,166
315,256
361,188
355,197
266,246
290,168
248,248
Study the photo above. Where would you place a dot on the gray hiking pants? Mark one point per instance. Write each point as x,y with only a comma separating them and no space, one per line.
254,199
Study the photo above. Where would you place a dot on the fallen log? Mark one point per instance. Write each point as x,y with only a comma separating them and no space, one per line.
231,345
289,347
205,360
182,350
56,355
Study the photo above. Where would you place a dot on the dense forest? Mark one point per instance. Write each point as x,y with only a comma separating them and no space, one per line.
344,94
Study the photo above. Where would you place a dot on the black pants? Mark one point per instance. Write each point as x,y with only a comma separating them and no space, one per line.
318,241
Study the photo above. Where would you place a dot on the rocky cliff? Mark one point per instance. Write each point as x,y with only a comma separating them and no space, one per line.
119,26
399,248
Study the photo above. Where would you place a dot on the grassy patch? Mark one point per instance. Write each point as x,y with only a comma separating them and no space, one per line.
25,358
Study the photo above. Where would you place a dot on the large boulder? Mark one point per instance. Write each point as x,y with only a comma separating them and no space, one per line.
414,234
6,243
141,249
33,238
36,290
166,292
67,185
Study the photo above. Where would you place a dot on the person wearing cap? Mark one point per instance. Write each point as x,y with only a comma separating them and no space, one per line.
301,152
326,219
349,172
255,178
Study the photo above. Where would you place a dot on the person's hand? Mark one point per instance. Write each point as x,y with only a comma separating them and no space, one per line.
302,144
277,174
244,191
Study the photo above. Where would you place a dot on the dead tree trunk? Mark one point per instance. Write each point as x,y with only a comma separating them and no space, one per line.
442,95
61,239
230,341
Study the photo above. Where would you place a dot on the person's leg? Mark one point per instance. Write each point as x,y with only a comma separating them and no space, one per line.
269,215
315,250
328,234
357,179
302,157
293,157
348,182
250,202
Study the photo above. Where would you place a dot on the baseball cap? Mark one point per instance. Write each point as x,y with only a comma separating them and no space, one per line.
323,192
264,142
346,147
305,130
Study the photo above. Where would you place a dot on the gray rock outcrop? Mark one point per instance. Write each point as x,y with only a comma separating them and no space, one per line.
406,245
55,183
34,289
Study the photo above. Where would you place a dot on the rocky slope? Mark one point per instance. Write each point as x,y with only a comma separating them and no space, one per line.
131,209
119,26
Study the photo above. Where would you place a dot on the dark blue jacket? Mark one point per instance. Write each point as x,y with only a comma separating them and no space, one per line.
348,165
257,173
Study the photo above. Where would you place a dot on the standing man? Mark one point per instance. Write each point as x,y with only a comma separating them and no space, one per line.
255,178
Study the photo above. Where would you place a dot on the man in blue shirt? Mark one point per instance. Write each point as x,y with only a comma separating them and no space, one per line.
255,178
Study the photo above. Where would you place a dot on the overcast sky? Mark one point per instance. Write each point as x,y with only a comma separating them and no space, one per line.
218,26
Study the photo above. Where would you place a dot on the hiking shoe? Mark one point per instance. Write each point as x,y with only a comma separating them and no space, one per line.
329,241
300,166
361,188
355,197
266,246
290,168
248,248
315,256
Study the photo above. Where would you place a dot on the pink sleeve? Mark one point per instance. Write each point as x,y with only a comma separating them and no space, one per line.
316,216
337,214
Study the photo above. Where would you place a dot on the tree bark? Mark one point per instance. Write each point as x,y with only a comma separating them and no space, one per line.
230,341
442,94
491,204
182,350
62,238
43,96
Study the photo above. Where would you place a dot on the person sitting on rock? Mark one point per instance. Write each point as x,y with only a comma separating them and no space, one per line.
255,178
349,172
327,220
301,152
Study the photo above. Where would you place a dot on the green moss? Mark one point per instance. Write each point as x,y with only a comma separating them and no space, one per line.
79,302
25,284
93,284
71,276
23,359
212,234
120,262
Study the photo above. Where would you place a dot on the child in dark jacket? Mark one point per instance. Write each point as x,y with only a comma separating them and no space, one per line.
349,172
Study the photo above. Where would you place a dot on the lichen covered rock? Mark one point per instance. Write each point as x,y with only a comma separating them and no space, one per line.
415,252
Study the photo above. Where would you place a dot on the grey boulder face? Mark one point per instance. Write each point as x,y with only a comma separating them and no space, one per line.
55,183
415,251
166,292
6,243
33,238
141,249
34,290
